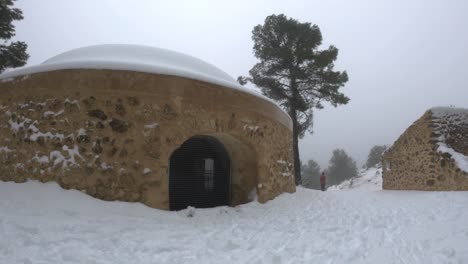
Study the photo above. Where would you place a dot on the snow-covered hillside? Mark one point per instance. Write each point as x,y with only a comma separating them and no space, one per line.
42,223
368,179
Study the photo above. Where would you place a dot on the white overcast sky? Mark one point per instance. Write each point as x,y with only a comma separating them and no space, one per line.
402,56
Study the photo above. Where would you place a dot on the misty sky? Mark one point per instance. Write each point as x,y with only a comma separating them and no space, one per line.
402,57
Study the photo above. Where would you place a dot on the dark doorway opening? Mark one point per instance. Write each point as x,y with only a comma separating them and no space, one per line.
199,174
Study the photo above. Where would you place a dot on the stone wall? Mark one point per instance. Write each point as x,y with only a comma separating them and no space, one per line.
110,133
413,162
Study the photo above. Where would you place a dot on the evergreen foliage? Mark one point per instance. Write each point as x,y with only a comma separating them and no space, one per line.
295,73
375,156
311,175
14,54
341,167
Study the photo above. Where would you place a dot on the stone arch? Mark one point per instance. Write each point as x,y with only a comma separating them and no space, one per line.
199,174
243,168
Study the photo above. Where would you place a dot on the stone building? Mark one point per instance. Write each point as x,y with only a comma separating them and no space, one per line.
431,155
140,124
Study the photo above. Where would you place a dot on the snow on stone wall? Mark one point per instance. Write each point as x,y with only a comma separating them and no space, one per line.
429,155
451,126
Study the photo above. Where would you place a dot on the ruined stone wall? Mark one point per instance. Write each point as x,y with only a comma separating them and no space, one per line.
110,134
413,162
453,125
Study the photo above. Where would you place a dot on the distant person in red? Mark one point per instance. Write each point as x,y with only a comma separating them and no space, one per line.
323,181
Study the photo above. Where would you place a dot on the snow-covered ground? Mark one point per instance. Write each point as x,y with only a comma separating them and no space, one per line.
42,223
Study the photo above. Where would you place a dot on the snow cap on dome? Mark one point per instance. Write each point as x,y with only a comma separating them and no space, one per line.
140,59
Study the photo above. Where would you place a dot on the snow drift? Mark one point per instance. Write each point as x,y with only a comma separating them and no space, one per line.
42,223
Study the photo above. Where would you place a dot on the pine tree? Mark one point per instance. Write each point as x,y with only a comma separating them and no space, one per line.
12,55
311,175
295,73
375,156
341,167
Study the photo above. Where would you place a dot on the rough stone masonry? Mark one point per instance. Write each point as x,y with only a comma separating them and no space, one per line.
110,133
416,160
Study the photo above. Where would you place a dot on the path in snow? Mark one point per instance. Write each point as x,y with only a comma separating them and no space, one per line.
41,223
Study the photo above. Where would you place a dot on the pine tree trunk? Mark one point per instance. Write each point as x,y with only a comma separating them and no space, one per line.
297,160
293,114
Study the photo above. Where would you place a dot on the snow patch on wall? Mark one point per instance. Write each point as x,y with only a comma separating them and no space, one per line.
17,125
460,159
47,135
51,113
40,159
23,106
28,124
6,150
251,128
81,132
287,171
446,118
72,102
106,166
19,166
149,128
152,126
66,160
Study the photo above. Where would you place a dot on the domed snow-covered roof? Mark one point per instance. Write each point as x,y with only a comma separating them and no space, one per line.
140,59
133,58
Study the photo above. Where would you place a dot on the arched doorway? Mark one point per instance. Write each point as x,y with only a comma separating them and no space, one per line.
199,174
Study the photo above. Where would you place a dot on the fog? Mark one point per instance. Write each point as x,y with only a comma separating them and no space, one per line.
402,57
